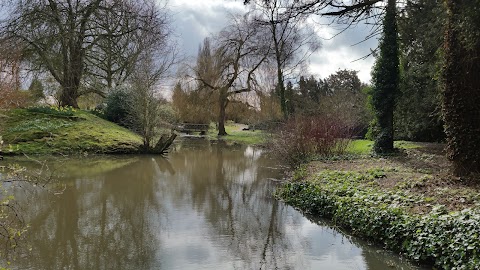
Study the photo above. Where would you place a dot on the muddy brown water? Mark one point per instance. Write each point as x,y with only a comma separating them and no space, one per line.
206,206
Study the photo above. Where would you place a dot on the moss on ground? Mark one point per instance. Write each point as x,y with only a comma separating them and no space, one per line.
64,131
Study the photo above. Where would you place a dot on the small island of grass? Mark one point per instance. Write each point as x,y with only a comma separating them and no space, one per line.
64,131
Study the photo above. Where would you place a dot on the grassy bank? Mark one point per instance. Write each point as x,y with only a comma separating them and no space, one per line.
364,147
63,131
407,203
237,134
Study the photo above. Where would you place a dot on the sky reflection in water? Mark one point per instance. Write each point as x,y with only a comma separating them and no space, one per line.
208,206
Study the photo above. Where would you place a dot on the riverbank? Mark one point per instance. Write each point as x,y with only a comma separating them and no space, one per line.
407,202
237,133
63,131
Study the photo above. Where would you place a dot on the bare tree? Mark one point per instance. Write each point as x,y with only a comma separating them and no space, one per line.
152,66
239,50
125,31
347,11
65,37
293,40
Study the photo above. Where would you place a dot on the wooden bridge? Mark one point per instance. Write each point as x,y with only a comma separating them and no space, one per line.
189,128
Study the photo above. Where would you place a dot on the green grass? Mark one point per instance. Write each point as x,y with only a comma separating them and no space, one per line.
364,147
237,135
360,147
33,131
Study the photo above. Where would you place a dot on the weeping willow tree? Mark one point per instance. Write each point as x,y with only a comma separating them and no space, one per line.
239,50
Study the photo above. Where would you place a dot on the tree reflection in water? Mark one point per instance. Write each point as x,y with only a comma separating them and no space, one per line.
102,222
208,205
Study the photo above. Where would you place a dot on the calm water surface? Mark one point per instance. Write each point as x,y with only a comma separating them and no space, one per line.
207,206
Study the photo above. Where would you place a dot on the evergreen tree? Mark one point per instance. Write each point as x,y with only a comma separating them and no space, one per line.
36,89
418,112
385,78
289,95
461,97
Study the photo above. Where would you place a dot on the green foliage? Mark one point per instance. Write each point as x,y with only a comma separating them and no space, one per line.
36,89
447,240
418,111
48,120
167,113
300,173
460,82
385,78
119,110
305,98
468,24
117,107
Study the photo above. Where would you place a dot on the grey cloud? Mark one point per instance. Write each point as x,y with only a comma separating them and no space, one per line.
193,23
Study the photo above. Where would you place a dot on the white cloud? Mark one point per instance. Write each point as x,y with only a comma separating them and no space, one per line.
344,50
335,56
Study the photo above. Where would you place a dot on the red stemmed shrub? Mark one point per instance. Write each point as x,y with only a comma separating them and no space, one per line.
303,138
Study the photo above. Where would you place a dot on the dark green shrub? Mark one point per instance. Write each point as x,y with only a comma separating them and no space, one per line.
117,107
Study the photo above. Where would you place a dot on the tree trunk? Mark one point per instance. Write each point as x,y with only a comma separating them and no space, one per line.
222,102
164,143
385,82
68,96
73,73
281,92
281,84
461,96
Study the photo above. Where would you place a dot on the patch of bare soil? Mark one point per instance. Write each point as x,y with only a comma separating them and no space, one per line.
422,171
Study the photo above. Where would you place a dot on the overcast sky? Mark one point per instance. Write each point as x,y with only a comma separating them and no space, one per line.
195,20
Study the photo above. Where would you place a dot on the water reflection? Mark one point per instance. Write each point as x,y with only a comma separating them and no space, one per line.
206,206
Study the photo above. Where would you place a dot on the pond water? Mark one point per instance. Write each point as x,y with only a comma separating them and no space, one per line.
206,206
